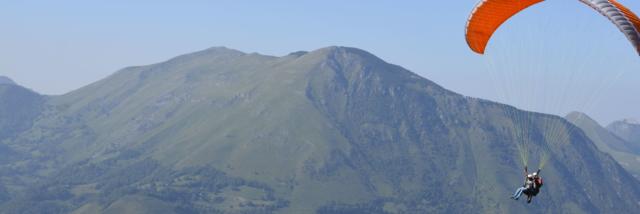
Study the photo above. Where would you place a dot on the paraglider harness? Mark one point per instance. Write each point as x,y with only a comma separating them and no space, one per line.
537,184
532,184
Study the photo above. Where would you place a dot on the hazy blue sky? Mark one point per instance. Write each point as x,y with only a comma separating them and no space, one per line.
557,57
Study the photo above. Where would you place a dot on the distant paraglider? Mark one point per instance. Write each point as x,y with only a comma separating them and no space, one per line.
488,15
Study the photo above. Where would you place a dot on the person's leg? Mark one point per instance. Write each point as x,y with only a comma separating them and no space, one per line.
518,193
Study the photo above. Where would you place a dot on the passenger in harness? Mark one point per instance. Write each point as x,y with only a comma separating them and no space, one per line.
531,186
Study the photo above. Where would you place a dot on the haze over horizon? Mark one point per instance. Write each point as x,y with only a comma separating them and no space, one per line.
54,48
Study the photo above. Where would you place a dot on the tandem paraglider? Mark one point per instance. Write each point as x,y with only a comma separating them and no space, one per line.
486,18
531,187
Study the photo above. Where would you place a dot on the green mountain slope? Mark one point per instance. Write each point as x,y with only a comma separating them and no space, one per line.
336,130
606,141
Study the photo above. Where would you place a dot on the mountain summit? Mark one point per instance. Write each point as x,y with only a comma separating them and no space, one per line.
335,130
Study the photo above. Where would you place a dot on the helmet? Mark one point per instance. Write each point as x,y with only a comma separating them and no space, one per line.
535,174
530,176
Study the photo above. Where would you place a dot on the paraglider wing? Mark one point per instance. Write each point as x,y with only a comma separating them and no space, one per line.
621,16
487,17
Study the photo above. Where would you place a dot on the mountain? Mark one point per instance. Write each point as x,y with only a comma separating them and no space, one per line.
603,135
6,81
335,130
18,108
621,150
628,130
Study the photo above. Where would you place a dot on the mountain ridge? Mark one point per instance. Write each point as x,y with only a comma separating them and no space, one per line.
622,151
615,142
19,107
626,129
6,81
332,130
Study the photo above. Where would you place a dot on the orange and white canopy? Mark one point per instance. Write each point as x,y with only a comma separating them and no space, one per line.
488,15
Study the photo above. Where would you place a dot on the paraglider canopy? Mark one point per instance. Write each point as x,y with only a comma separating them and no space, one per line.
489,15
